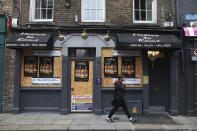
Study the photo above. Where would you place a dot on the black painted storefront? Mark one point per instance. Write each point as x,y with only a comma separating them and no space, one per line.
189,90
58,98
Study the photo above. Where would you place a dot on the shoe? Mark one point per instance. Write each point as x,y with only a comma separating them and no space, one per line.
109,119
131,119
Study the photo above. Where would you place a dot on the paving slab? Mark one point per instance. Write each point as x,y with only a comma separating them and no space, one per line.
43,127
110,127
81,121
124,126
78,127
177,127
157,127
25,122
61,122
44,122
9,128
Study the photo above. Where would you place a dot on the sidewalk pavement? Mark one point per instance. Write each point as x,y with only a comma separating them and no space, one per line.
89,121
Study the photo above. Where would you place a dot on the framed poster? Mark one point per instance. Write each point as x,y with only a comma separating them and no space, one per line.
30,66
46,67
128,67
81,71
111,67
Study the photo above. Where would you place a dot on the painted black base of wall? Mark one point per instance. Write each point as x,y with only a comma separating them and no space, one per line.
133,97
40,100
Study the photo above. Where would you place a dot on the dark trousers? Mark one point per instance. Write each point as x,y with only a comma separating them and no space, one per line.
119,103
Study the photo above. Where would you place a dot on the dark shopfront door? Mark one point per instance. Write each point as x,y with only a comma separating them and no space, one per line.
159,82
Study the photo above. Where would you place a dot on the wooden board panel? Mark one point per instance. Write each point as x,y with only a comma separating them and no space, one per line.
27,81
108,82
82,88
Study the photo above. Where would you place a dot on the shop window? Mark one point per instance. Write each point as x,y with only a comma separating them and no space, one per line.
128,67
93,10
38,67
41,10
30,66
81,71
111,67
144,11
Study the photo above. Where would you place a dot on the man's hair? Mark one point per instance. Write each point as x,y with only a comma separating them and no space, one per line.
120,76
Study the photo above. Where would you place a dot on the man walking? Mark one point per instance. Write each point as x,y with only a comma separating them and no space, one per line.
118,99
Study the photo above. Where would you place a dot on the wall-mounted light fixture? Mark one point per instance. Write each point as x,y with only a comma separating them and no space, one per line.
84,35
67,3
152,55
107,37
60,36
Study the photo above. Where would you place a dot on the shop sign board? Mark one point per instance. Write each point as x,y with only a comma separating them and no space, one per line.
46,53
46,81
125,53
130,81
28,39
81,103
191,17
194,54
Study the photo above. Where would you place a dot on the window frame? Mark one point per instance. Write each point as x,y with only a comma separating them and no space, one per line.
82,13
154,14
32,13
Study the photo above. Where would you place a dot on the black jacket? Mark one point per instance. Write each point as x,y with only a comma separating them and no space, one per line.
119,90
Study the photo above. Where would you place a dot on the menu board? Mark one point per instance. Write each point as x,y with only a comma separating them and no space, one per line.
30,66
82,71
46,67
128,67
111,66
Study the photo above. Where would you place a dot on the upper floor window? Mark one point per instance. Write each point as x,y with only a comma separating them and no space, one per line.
144,11
93,11
41,10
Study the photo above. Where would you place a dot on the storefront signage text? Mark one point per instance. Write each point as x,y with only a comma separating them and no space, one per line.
33,37
46,81
125,53
151,45
26,45
130,81
147,38
46,52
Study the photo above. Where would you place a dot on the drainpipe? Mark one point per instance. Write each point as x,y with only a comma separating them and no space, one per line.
2,47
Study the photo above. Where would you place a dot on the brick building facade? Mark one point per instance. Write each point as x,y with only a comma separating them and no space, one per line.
118,13
8,85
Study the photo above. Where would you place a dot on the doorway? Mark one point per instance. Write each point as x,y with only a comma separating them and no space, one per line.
81,85
159,83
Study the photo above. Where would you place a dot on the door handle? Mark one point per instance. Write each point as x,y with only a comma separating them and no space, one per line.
72,89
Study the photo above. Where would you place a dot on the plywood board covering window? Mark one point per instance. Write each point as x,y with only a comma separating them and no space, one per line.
138,71
40,67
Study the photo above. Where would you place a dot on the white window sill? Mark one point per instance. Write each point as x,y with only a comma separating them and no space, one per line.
41,20
99,21
144,22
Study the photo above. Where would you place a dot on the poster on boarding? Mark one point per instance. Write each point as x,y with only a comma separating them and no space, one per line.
81,104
